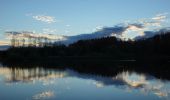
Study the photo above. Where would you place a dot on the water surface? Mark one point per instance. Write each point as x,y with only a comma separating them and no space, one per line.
40,83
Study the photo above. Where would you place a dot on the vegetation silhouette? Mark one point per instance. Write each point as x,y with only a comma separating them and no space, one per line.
106,48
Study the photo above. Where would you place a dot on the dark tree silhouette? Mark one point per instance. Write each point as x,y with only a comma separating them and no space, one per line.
149,48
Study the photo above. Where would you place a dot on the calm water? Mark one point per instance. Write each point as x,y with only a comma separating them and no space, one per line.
48,84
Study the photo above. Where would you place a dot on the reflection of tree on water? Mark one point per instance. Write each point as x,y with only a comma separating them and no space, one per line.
124,80
29,75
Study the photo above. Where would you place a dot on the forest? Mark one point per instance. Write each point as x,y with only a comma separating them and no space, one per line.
156,47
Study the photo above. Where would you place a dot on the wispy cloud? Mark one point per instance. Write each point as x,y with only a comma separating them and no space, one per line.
140,27
135,27
44,18
4,43
29,34
157,20
97,28
160,17
68,25
152,23
119,30
49,31
132,29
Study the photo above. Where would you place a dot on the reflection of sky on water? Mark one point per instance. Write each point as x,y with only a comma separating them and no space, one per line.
145,84
43,95
51,84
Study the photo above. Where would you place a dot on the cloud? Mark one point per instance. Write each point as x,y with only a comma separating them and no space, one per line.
152,23
134,29
46,19
119,30
147,26
156,21
12,32
137,29
151,33
68,25
98,28
160,17
4,43
113,30
29,34
49,31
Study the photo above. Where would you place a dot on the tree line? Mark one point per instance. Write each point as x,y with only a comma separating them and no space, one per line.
157,46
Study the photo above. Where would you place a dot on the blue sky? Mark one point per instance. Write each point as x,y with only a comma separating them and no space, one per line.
71,17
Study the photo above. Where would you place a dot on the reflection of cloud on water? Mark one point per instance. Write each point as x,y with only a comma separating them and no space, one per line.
133,80
125,80
129,80
98,84
43,95
140,82
161,94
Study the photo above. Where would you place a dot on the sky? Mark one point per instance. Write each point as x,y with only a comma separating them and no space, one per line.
72,17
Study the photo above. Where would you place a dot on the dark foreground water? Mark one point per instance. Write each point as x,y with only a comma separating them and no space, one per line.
39,83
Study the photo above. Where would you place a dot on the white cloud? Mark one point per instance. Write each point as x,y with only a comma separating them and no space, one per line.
150,24
160,17
98,28
43,18
68,25
28,34
155,21
145,24
49,31
128,29
158,24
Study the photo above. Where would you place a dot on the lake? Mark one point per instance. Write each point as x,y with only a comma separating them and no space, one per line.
39,83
